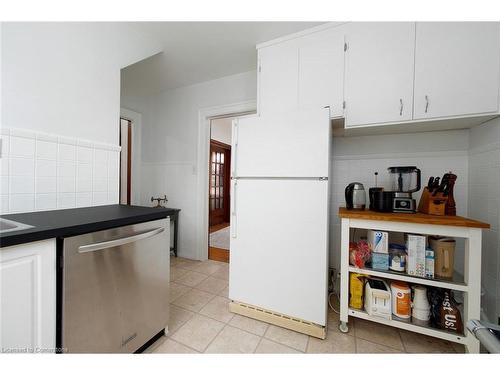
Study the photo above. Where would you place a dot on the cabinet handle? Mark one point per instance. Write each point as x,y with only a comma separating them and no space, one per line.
401,107
426,103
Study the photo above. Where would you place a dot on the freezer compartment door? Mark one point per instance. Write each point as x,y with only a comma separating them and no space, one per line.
115,288
294,144
279,246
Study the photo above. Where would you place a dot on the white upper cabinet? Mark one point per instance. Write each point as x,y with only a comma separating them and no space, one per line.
456,68
278,78
321,71
379,72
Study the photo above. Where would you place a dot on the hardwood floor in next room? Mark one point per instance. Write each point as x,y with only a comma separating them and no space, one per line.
200,322
218,245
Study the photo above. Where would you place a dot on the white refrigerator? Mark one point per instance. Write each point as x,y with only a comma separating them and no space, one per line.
279,213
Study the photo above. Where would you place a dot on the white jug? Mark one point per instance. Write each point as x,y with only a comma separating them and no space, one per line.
421,309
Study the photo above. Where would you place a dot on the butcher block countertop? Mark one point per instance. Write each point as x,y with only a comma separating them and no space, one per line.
418,218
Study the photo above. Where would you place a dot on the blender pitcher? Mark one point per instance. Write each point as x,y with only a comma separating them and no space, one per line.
404,181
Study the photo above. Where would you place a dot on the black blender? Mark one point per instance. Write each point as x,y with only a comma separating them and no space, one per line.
405,181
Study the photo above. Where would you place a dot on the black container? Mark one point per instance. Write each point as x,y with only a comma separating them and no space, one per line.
382,201
371,193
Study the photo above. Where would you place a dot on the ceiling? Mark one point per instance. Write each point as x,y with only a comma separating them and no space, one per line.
200,51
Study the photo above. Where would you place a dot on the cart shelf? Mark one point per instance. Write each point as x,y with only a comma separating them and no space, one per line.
447,284
429,331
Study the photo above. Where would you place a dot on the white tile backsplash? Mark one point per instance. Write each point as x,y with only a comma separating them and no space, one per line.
46,185
67,152
41,171
84,154
66,200
21,203
21,166
20,146
46,150
22,184
46,168
46,201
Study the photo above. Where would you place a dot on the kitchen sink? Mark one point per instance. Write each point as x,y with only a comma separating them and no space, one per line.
10,226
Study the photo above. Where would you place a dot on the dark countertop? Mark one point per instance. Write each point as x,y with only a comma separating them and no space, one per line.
75,221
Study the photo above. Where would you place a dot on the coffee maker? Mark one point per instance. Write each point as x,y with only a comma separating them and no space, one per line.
404,182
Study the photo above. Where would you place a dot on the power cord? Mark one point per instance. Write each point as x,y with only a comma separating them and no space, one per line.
333,283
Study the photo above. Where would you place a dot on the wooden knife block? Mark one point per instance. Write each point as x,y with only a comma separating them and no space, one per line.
432,205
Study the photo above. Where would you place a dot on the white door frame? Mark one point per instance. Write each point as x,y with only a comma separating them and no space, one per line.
136,119
204,117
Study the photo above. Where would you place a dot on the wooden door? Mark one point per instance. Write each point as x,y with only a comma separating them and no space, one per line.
218,195
379,72
456,68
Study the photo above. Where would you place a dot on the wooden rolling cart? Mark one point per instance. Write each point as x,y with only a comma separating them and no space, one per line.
452,226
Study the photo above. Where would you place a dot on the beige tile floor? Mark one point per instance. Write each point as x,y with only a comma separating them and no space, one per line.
200,322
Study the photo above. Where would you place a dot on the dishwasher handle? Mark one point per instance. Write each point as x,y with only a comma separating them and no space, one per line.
120,241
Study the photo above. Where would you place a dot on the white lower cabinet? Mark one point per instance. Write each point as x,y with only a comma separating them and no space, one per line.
28,297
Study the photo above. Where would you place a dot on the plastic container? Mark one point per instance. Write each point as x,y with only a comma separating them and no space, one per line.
397,257
421,309
401,301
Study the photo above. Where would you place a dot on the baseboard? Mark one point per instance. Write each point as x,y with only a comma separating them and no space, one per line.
278,319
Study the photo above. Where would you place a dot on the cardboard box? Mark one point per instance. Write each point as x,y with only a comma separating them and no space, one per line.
379,241
415,245
380,261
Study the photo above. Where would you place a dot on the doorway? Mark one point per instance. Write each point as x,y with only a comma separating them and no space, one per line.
125,161
219,172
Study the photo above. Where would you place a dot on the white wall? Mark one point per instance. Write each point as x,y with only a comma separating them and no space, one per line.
64,78
220,130
169,143
357,158
60,101
484,205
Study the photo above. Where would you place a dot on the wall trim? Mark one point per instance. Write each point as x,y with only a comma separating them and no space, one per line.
30,134
391,155
204,117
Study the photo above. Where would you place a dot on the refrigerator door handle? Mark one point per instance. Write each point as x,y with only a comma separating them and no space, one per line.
235,148
233,209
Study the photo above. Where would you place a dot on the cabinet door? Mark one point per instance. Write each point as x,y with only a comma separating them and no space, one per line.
28,290
379,72
278,78
456,68
321,71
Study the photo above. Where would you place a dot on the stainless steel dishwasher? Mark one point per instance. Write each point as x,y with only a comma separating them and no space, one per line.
115,287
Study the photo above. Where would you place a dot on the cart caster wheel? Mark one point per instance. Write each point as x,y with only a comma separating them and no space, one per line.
343,327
